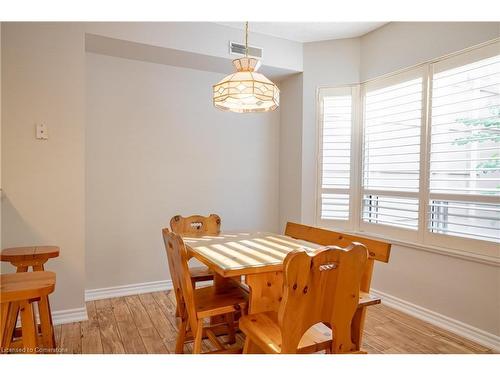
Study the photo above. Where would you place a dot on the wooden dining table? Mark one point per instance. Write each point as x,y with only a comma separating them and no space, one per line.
258,257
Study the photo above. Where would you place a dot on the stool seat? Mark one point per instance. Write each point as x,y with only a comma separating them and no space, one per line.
15,254
26,285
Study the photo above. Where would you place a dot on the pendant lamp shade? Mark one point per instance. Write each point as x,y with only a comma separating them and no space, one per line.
246,90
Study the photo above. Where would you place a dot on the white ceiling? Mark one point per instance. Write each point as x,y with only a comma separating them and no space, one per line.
309,31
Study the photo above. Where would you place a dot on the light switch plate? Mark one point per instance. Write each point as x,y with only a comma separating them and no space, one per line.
41,131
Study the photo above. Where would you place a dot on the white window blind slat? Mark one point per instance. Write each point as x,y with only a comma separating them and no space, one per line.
465,150
391,210
415,156
391,153
335,154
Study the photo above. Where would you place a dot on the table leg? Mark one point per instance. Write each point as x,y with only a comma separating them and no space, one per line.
221,283
266,291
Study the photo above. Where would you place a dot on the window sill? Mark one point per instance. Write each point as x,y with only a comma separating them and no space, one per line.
456,253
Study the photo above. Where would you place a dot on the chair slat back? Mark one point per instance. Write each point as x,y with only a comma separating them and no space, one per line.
196,224
321,288
178,263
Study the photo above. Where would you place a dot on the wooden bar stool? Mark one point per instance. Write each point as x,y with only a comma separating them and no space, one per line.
29,256
22,258
22,289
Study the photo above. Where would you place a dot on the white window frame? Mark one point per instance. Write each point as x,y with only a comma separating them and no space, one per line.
322,93
423,237
386,230
447,240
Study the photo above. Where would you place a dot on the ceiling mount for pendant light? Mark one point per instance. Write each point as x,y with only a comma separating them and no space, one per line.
246,90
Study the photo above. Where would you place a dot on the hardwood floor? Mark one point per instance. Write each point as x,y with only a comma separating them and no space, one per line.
146,323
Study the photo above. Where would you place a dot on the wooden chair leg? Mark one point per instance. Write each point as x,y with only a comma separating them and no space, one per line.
230,328
357,326
213,339
198,337
250,347
4,313
10,324
28,327
181,338
246,346
47,329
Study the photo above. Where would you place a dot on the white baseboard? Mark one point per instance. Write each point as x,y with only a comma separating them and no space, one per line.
80,314
69,316
460,328
127,290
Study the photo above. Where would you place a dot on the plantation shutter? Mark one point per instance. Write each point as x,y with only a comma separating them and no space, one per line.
336,124
392,127
464,176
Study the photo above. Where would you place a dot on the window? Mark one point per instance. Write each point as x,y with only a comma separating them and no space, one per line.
427,163
464,173
335,154
392,126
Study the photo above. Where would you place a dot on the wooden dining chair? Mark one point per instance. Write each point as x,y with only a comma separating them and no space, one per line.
379,251
196,304
322,287
197,225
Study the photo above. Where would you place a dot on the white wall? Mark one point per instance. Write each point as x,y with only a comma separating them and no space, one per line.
157,147
290,177
464,290
0,138
205,38
43,67
329,63
400,45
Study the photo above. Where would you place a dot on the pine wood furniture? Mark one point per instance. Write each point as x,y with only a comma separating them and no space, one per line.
259,257
377,251
197,225
23,258
22,289
319,287
29,256
194,305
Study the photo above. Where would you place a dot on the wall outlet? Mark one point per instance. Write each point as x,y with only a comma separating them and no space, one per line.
41,131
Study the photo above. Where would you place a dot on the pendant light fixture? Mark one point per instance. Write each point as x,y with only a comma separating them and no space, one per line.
246,90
